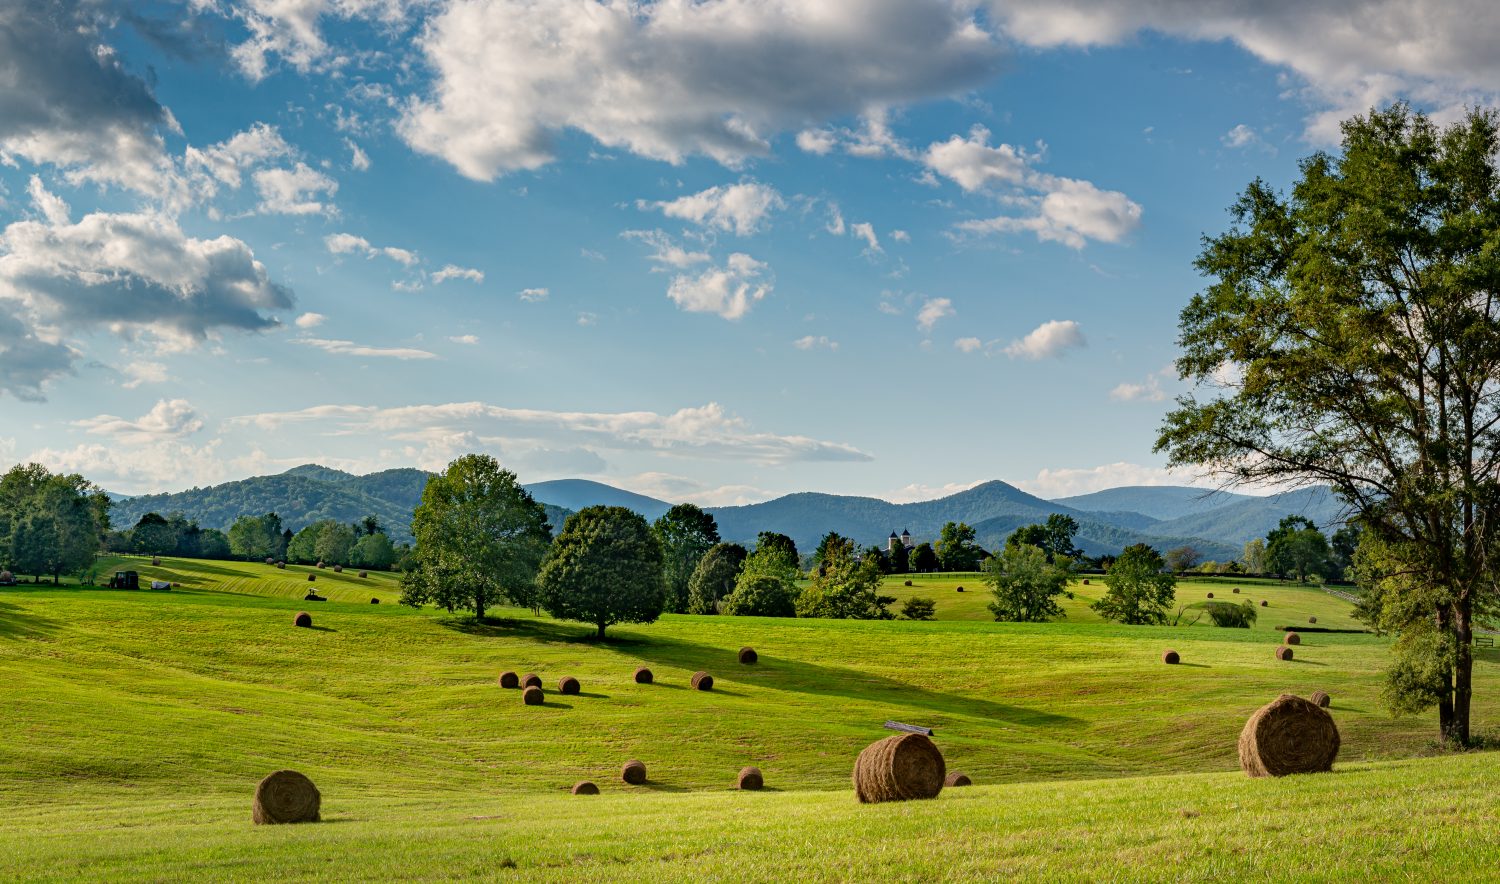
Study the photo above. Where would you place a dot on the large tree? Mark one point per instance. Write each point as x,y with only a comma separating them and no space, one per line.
956,549
1296,546
480,539
767,582
686,534
605,567
49,524
714,578
1140,589
844,588
1054,536
1025,585
1352,328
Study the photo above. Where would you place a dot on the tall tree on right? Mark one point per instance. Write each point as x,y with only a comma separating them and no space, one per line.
1350,336
686,534
1141,589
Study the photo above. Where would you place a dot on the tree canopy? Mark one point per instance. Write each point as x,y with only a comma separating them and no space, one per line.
1140,590
49,524
843,588
714,578
1025,584
956,549
686,533
604,568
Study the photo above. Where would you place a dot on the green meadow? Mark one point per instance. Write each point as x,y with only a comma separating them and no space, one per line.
136,725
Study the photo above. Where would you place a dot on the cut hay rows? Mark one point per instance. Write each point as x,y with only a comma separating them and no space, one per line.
285,797
1286,736
904,767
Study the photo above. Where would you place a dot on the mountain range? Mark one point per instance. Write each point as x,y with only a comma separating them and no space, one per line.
1216,523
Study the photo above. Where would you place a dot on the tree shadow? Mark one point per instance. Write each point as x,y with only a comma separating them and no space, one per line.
16,623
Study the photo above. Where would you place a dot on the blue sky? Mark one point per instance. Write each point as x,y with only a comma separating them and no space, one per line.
714,251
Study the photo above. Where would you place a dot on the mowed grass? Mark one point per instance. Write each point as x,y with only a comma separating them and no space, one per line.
136,724
1288,603
258,578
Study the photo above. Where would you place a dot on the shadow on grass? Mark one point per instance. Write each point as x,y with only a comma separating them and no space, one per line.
1194,665
1306,662
777,673
654,786
592,696
16,623
321,628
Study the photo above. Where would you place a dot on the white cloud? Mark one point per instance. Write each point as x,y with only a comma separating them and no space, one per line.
703,432
917,491
290,30
168,419
467,340
729,291
668,80
817,141
348,243
359,161
1240,136
809,342
531,296
52,206
310,320
141,371
900,236
934,309
1150,391
453,271
741,208
972,164
300,190
667,251
1048,340
128,273
968,345
1054,483
226,163
349,348
586,318
143,466
835,224
866,231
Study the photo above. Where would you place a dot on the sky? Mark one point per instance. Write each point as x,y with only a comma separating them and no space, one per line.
713,251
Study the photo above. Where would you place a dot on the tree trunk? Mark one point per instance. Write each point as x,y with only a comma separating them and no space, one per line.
601,631
479,608
1445,698
1463,669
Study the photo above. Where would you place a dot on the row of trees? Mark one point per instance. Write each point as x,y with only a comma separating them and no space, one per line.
175,535
362,544
49,524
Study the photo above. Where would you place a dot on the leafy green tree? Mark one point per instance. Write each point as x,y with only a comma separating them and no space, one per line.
845,589
374,550
760,595
714,578
686,534
1182,559
820,554
604,568
214,544
1054,537
1141,590
1254,556
923,559
898,560
334,544
956,549
480,539
780,545
918,608
1232,616
153,536
1343,545
1360,312
1296,546
878,556
304,546
1026,585
256,538
32,541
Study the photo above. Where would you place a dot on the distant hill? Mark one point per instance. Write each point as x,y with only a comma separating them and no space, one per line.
1255,516
575,494
1160,502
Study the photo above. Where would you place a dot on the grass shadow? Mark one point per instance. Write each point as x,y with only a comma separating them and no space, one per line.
17,623
1307,662
1194,665
549,702
321,628
592,696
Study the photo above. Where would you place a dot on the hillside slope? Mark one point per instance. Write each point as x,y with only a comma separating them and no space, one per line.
1160,502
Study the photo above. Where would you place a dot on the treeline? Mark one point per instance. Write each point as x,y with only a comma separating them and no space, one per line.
50,524
362,544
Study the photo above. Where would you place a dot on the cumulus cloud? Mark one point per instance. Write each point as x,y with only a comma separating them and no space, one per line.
666,251
1048,340
973,164
1150,391
531,296
453,271
168,419
359,161
810,342
301,190
741,208
866,231
817,141
729,291
669,80
706,432
1067,482
129,273
292,30
347,243
349,348
968,345
934,309
143,371
227,162
310,320
467,340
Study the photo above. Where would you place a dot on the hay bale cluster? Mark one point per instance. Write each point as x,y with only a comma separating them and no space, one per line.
532,680
702,681
285,797
904,767
643,675
748,656
1289,735
750,779
634,772
1171,658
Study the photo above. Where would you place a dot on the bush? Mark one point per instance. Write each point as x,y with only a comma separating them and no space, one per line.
1230,615
763,596
917,608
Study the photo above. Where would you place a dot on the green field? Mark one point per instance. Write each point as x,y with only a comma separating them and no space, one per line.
136,724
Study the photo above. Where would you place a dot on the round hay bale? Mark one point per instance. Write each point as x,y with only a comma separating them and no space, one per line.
748,656
569,685
321,566
281,565
1264,603
533,697
509,679
1286,736
156,560
643,675
634,772
1320,699
1210,595
7,576
285,797
363,574
1085,581
374,601
957,778
1283,653
899,768
303,619
1312,620
750,779
702,681
532,680
960,589
1236,590
311,578
907,583
1170,657
584,787
270,561
1292,638
338,569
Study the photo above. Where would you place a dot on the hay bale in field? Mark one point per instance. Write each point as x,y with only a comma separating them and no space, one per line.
533,696
1312,620
303,619
281,565
907,583
311,578
960,589
1292,638
1286,736
338,569
1264,603
643,675
532,680
1236,590
1320,699
1170,657
748,656
584,787
899,768
285,797
702,681
750,779
156,560
374,601
634,773
1210,595
321,566
270,561
957,778
1283,653
1085,581
363,574
509,679
569,685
